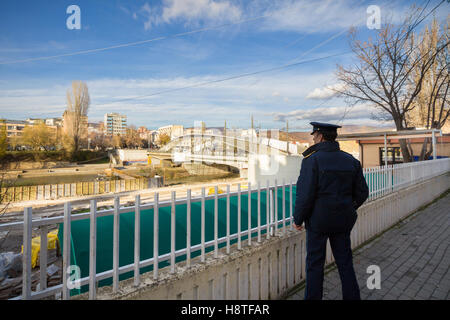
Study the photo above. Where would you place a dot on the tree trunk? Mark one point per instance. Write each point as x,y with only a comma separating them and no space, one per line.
403,144
410,149
424,152
405,151
429,153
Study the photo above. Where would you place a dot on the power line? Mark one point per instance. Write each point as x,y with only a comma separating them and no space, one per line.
231,78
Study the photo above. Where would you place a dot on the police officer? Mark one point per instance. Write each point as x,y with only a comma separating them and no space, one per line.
330,188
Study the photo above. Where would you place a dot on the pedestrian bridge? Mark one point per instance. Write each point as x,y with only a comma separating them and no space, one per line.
233,244
224,149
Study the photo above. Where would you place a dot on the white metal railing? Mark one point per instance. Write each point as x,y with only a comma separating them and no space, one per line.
381,181
387,179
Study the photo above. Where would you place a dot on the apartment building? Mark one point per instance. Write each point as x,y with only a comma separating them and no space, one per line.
14,128
115,124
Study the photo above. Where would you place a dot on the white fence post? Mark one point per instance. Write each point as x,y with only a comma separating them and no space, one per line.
137,239
249,214
66,250
259,212
116,244
93,252
228,219
43,258
27,237
202,226
155,235
268,209
239,217
216,221
172,233
188,228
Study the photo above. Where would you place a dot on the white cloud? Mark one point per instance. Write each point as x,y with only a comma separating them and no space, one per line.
287,15
200,10
190,12
326,92
325,114
315,16
327,15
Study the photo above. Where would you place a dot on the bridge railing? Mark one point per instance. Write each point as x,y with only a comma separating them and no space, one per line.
271,215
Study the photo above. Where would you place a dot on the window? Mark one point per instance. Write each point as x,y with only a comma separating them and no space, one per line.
394,155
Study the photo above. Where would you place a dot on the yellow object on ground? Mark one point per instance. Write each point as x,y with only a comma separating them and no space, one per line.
52,238
212,191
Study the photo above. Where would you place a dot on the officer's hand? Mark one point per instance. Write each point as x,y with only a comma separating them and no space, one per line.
299,228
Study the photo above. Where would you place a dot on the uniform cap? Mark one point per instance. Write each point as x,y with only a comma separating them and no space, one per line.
324,127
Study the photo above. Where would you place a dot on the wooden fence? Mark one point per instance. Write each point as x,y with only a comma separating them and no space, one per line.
57,191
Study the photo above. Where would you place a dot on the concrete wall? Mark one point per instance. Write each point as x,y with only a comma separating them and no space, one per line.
203,169
262,168
132,155
268,270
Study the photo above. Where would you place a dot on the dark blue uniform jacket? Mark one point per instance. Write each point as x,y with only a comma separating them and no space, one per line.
330,188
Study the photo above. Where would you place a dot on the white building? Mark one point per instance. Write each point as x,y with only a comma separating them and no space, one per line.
115,124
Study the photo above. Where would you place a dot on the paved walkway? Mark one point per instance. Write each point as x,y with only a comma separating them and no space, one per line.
414,258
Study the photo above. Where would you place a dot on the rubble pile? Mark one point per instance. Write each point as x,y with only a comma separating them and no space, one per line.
11,273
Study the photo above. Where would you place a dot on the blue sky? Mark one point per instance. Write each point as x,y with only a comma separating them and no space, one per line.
281,32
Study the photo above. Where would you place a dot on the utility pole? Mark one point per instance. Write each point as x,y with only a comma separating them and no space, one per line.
224,140
287,136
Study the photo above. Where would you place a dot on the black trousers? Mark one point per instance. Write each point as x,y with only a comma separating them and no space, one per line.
316,244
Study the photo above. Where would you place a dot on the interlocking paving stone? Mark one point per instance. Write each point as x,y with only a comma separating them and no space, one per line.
414,258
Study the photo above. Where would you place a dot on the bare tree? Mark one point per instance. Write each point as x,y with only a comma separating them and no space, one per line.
117,141
432,104
6,184
75,116
388,72
132,138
